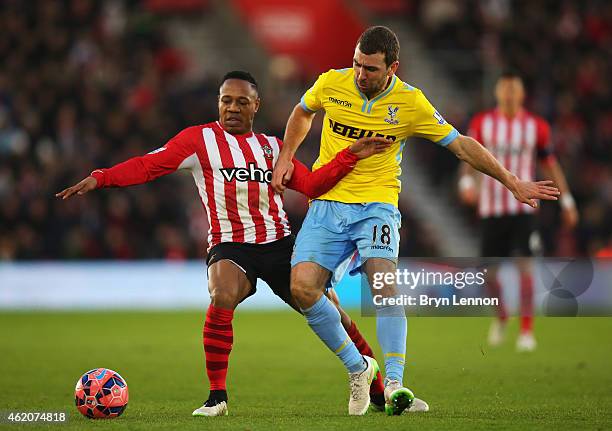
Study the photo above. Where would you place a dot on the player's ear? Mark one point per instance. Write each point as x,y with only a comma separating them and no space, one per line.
393,67
257,103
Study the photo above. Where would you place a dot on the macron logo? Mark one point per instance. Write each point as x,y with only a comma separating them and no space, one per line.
251,173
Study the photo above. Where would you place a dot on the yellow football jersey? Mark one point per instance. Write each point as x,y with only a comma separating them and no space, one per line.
399,112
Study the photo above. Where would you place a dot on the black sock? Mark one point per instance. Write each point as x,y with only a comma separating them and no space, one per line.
217,396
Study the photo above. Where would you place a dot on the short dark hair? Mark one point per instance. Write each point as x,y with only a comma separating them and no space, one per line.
380,39
510,73
242,75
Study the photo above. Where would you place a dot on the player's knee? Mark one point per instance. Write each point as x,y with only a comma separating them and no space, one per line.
304,291
223,298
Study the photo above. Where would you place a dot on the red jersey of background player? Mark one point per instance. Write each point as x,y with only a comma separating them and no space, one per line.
233,175
515,142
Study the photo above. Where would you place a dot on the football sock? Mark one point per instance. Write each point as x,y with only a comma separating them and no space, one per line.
526,303
391,329
495,291
218,338
324,319
362,345
215,397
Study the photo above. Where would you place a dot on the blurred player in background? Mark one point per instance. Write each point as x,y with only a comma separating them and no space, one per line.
360,212
249,235
516,137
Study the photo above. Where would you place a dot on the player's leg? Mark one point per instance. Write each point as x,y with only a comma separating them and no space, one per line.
377,398
391,330
228,283
308,281
320,247
307,284
525,233
273,261
497,329
375,229
526,341
495,243
276,271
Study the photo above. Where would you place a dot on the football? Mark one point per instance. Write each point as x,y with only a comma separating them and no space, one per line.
101,394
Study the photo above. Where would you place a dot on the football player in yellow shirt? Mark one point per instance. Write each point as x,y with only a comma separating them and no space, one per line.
360,213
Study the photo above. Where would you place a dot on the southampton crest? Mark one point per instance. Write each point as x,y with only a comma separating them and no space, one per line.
268,152
392,115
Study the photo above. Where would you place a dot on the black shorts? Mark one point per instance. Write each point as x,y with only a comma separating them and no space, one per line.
270,262
508,236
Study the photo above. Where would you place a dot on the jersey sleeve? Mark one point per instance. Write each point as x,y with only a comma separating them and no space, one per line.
322,180
312,100
429,124
543,142
175,154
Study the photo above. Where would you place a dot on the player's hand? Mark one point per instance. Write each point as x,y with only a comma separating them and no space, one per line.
283,170
569,217
366,147
528,191
84,186
468,190
468,196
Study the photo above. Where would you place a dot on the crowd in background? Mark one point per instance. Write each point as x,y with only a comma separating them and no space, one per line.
563,49
87,84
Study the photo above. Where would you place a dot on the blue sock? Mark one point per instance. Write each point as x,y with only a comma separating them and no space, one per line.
324,319
391,331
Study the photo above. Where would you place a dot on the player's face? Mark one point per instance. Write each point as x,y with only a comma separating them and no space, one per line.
238,103
371,72
510,94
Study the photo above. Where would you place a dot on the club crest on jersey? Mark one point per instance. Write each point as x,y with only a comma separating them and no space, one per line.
439,118
392,114
268,152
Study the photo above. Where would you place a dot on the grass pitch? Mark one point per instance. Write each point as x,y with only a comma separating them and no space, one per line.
282,377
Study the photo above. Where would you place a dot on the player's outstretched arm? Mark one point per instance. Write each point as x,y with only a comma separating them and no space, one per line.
472,152
298,125
137,170
322,180
85,185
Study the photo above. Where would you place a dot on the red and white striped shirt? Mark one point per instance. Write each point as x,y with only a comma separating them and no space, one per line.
514,142
233,175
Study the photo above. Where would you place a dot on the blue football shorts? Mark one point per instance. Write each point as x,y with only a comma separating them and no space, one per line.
332,231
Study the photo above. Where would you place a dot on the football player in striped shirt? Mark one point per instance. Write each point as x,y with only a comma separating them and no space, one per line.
360,212
249,236
517,138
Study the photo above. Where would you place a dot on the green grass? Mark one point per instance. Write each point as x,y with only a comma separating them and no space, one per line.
282,377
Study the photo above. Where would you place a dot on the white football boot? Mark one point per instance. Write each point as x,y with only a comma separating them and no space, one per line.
398,398
497,333
359,400
418,406
526,342
219,409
